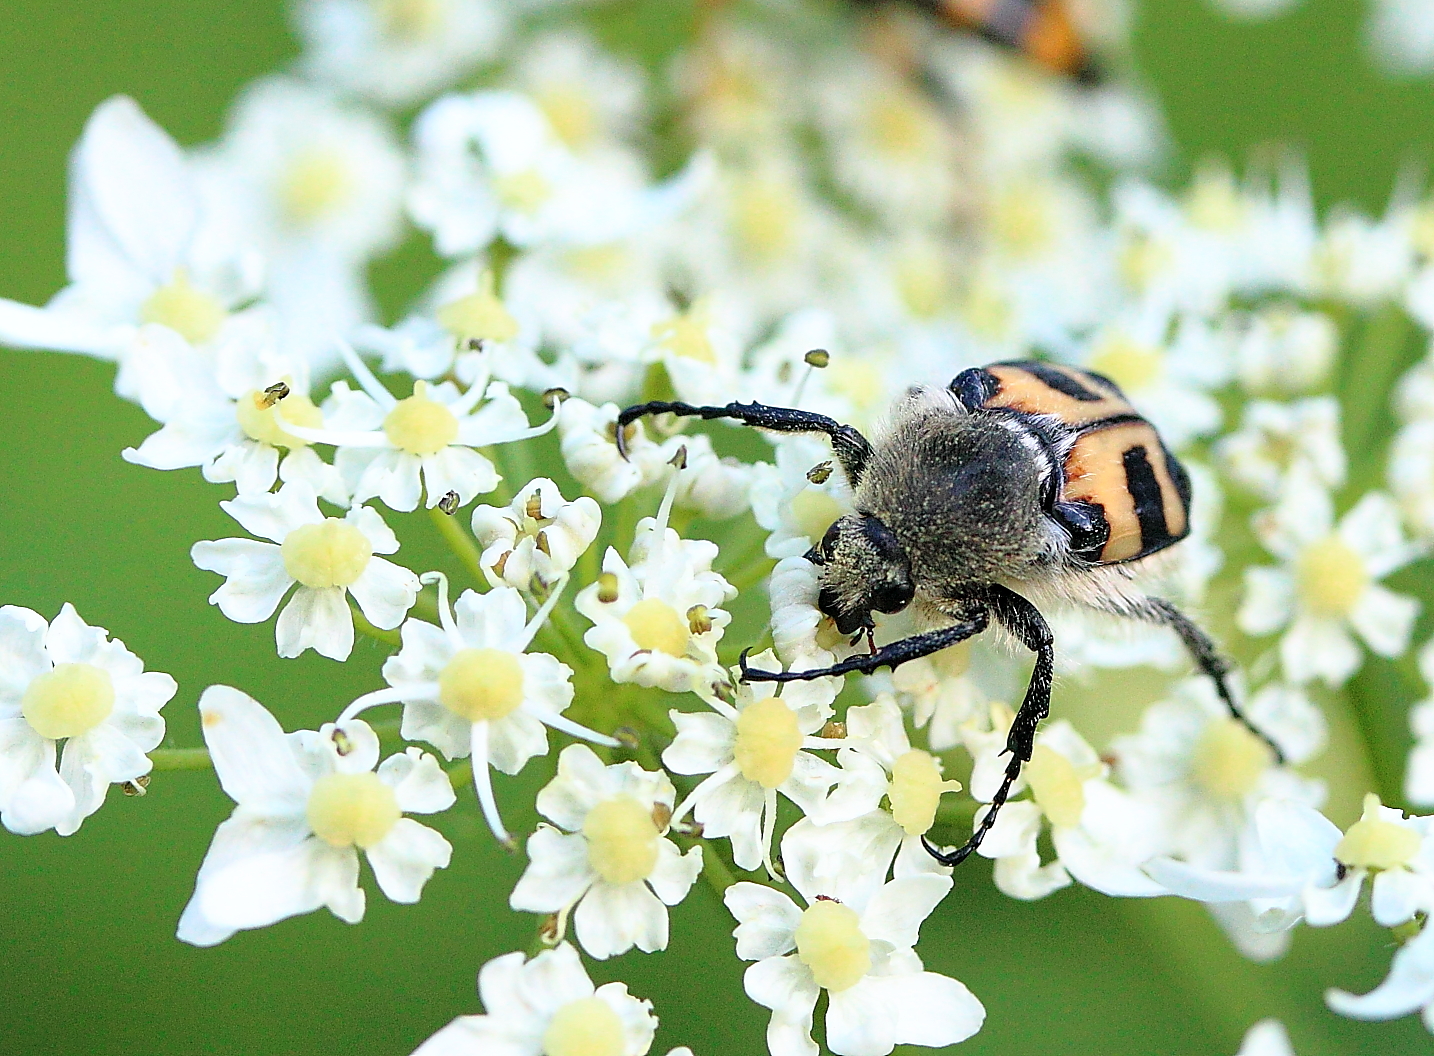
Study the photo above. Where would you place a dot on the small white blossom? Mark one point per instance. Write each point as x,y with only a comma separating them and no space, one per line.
397,51
658,620
608,854
855,942
547,1004
326,557
469,688
537,538
1328,584
798,499
752,749
1273,436
1282,350
1100,833
590,451
1411,475
1400,35
307,803
801,632
67,682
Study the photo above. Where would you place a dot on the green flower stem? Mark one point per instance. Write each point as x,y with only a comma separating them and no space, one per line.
460,542
181,759
367,629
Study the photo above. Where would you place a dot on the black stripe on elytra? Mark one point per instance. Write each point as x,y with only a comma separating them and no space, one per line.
973,387
1105,423
1060,381
1149,500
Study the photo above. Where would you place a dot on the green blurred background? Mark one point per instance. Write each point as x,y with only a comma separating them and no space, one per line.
88,959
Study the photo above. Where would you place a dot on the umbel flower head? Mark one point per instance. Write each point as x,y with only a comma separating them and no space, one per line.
65,683
307,803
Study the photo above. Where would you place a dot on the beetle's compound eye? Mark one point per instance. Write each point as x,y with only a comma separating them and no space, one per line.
1085,523
892,597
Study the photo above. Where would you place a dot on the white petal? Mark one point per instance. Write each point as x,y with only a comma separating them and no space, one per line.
33,797
317,619
256,579
1409,985
1268,602
612,918
458,469
251,755
582,781
430,721
22,652
766,920
929,1009
403,860
240,837
558,872
675,872
786,986
1395,896
385,592
259,889
860,1021
468,1035
1101,866
1316,647
1331,905
514,739
418,782
1266,1038
1384,619
703,743
897,910
53,329
1022,875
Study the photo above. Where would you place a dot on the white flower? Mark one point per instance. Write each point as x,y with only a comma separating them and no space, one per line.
307,803
590,451
701,349
941,692
316,187
613,861
1329,582
1282,350
1301,867
589,96
716,488
66,681
326,557
1100,833
798,499
855,942
469,688
801,632
658,620
1411,475
397,51
1409,987
398,450
753,748
1363,261
537,538
547,1005
1273,436
1206,775
137,260
1400,35
1267,1037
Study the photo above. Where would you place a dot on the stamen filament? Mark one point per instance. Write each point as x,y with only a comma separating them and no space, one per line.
445,611
365,377
418,691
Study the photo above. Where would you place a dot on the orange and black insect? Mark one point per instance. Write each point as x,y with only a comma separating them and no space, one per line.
1042,30
1016,482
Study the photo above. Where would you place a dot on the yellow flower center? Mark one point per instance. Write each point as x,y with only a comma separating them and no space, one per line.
899,124
409,20
1214,201
1230,760
317,182
571,112
915,790
1056,785
352,810
1130,364
192,314
657,628
622,840
1373,843
686,334
524,191
332,553
1141,259
814,511
767,742
922,282
480,316
1021,220
262,418
830,942
764,214
987,310
1331,577
419,425
585,1027
481,684
68,700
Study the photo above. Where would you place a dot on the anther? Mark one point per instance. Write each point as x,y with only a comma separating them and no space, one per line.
828,898
698,622
135,787
475,344
661,815
627,737
817,357
607,588
679,459
274,393
449,503
724,692
343,743
534,506
820,473
554,396
833,731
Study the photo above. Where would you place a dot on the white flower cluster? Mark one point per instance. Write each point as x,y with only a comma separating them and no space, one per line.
827,234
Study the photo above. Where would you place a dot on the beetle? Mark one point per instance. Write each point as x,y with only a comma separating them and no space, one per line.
1018,484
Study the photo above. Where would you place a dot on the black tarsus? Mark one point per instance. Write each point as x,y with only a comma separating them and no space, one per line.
1026,623
1206,656
913,648
851,448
